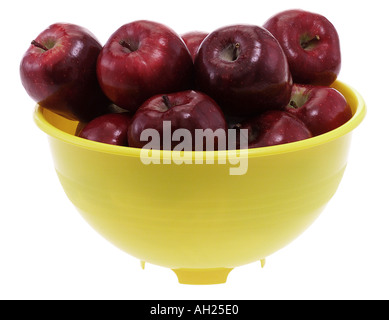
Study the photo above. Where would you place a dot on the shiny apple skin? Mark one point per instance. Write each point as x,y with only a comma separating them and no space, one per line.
274,127
258,79
318,64
63,78
159,62
190,110
193,40
322,108
109,128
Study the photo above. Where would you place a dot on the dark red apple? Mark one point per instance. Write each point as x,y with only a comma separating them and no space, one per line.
179,118
322,109
142,59
244,69
193,40
311,44
109,128
59,72
271,128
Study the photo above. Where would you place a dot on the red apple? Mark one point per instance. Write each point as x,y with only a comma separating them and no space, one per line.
244,69
311,44
179,115
322,109
142,59
271,128
109,128
59,72
193,40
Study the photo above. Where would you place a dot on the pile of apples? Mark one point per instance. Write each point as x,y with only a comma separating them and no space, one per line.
269,83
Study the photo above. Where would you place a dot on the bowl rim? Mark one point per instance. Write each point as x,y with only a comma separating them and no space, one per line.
358,116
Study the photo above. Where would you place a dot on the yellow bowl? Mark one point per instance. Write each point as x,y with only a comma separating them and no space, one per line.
199,218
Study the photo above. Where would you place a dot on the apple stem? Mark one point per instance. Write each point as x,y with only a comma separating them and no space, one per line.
127,45
293,104
309,42
39,45
236,51
167,102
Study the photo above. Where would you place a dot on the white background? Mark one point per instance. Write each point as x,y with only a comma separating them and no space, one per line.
47,251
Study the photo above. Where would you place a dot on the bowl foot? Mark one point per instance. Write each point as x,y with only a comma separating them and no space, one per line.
202,276
142,264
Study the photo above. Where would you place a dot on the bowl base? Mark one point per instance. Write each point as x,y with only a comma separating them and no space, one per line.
202,276
205,276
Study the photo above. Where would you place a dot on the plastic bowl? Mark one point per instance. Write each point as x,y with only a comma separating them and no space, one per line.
197,218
